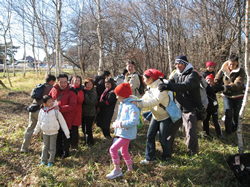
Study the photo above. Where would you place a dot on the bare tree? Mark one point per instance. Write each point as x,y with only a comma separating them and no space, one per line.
58,6
244,103
98,30
5,27
12,54
41,24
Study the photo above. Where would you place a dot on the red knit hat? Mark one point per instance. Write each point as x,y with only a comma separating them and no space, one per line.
123,90
210,77
154,73
210,63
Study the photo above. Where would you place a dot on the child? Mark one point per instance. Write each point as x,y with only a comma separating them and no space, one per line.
49,121
212,109
125,129
209,69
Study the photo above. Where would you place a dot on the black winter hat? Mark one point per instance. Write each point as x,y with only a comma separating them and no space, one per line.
106,73
181,59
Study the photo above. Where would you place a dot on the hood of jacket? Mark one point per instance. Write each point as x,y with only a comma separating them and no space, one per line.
226,71
189,66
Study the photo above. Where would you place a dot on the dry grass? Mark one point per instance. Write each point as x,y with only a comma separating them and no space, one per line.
88,166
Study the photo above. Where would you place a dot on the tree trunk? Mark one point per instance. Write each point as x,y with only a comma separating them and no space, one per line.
239,31
5,58
100,69
244,103
58,42
24,46
12,55
1,82
33,45
167,38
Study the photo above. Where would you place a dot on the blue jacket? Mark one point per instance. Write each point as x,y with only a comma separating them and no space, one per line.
129,115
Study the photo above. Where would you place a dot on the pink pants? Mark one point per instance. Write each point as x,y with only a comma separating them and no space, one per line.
123,144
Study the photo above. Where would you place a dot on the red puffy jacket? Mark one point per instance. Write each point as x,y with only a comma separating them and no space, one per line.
78,111
67,103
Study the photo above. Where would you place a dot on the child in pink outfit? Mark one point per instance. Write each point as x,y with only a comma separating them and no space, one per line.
125,129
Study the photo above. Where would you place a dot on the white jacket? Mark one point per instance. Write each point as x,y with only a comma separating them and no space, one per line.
48,123
152,98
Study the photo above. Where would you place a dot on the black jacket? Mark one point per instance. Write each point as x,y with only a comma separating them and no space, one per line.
187,88
206,73
99,82
106,109
211,95
89,103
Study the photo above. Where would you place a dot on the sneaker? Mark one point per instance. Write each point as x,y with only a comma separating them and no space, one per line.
50,164
42,163
114,174
148,161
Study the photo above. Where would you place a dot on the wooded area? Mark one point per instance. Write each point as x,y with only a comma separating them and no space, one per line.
102,34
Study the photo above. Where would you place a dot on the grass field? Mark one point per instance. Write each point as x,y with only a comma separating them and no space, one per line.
88,166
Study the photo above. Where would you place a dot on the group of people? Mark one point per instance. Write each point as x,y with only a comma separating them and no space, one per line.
97,102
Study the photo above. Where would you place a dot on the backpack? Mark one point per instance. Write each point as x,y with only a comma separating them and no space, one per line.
240,165
141,88
37,92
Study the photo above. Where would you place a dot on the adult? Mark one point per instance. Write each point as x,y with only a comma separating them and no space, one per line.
106,107
66,104
89,110
156,101
209,69
33,116
99,83
76,83
132,78
186,83
232,76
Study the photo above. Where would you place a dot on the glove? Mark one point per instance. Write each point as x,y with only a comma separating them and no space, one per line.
117,124
163,87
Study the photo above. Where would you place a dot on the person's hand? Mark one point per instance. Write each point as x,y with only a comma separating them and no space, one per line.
56,107
163,87
117,124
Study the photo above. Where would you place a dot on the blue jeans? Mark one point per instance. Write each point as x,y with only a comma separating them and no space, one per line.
163,127
232,110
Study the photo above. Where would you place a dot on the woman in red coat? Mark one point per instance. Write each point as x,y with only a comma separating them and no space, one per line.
76,83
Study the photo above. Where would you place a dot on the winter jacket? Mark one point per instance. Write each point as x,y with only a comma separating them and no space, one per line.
186,84
152,100
203,93
99,83
89,103
67,103
205,73
48,122
106,108
233,81
134,81
129,115
78,110
212,100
